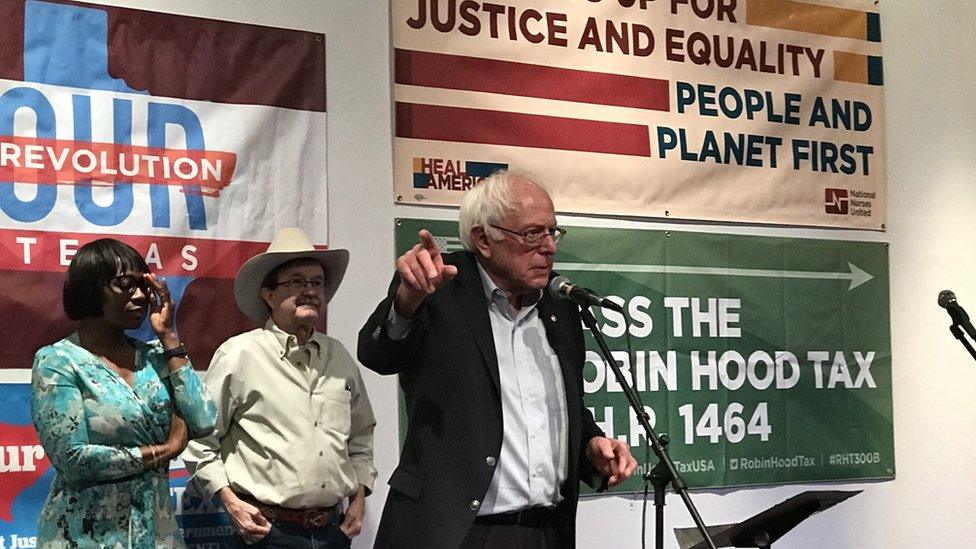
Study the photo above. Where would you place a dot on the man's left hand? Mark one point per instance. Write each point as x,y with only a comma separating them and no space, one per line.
353,523
612,458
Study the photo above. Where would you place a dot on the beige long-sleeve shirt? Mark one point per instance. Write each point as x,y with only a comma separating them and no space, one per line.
294,423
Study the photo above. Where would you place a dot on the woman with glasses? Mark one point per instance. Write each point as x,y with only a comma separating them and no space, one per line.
111,411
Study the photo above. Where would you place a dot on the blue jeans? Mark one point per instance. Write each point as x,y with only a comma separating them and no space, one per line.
289,536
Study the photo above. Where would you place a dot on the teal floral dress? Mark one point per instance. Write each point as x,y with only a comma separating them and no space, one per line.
91,423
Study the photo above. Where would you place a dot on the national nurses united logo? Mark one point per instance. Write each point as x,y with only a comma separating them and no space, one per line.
836,201
452,175
851,202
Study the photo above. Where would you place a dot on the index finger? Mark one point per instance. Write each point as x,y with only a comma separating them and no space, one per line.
151,279
158,284
631,467
428,242
621,461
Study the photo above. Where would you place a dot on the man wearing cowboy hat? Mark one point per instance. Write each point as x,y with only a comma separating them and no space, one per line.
294,434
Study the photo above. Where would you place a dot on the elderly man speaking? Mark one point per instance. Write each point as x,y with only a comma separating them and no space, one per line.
294,435
498,438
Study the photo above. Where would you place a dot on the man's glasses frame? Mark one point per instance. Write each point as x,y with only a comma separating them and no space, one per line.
534,236
299,284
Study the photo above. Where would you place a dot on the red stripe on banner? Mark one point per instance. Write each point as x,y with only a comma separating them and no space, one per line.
206,315
459,72
32,266
205,59
12,40
465,125
183,57
178,473
44,251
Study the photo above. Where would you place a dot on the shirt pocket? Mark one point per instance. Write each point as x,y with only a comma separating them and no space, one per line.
335,413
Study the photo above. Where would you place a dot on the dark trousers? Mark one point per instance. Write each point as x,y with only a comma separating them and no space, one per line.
504,536
288,536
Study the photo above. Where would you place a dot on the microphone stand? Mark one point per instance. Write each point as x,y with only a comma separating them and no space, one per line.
665,471
957,332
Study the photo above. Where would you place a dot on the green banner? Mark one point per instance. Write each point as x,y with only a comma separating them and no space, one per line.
766,360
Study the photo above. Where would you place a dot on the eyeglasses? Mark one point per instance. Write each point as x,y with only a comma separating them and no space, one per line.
299,284
533,236
127,283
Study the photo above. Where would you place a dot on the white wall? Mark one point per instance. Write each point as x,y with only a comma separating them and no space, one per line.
929,82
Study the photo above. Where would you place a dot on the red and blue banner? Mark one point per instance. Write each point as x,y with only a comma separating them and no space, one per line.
192,140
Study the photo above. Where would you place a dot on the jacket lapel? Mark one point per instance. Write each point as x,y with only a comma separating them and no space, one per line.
470,295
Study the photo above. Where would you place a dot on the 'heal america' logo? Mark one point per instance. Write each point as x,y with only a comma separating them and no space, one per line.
454,175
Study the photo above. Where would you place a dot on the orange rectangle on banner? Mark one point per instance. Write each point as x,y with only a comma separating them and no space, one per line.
850,67
802,17
58,161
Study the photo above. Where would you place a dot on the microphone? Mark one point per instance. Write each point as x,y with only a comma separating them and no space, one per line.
561,288
947,300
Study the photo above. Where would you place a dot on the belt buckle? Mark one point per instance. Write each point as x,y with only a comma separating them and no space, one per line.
269,512
316,519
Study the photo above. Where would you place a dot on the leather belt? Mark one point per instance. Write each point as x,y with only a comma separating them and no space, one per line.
533,517
318,517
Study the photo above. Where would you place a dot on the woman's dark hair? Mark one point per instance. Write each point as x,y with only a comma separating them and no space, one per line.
92,267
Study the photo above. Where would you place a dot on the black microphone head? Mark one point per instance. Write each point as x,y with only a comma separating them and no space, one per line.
946,297
556,286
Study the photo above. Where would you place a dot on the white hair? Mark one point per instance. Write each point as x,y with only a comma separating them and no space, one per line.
488,203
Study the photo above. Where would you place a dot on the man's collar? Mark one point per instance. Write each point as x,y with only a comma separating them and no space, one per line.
288,342
492,291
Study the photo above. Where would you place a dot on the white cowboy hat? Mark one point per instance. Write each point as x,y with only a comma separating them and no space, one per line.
288,244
